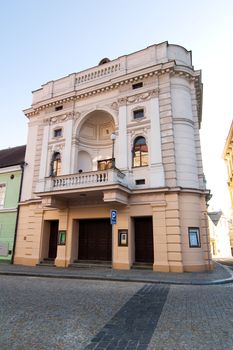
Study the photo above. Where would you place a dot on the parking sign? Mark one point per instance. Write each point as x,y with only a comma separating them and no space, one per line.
113,218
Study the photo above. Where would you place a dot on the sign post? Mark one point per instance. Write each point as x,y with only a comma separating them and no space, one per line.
113,220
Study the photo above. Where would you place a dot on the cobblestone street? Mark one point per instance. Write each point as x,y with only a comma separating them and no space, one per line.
42,313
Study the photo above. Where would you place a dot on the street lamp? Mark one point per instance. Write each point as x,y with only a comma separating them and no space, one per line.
113,138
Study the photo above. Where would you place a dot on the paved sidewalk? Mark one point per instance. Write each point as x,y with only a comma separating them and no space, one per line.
220,275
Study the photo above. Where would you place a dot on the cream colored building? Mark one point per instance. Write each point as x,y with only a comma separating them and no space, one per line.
219,225
123,135
228,157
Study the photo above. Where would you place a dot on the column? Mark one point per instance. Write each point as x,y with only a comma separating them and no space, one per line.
61,259
121,156
66,156
156,170
160,239
43,160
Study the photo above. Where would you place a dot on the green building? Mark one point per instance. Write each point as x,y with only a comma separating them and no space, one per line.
11,174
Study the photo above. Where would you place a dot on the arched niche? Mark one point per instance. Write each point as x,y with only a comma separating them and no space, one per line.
94,139
84,162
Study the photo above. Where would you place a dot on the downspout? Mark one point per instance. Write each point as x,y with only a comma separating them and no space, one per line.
17,215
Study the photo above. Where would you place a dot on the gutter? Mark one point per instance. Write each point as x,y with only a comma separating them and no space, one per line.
22,165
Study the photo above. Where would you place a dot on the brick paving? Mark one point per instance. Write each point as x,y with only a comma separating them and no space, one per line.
67,314
56,314
199,318
133,325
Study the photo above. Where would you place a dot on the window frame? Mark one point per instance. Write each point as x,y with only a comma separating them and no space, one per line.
139,110
138,85
140,153
196,232
56,164
56,130
58,108
3,185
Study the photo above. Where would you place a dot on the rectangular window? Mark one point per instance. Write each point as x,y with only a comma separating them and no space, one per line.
58,133
137,86
140,182
194,237
2,194
58,108
105,164
139,113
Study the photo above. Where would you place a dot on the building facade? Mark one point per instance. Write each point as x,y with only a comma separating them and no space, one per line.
123,135
228,157
11,169
219,226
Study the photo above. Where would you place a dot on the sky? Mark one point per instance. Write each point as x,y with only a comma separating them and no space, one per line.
43,40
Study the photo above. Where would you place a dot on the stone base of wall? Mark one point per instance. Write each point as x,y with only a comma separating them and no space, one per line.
172,214
26,261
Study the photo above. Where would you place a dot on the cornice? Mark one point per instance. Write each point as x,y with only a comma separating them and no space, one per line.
153,71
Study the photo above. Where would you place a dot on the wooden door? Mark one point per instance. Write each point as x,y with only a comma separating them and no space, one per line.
95,240
144,252
53,239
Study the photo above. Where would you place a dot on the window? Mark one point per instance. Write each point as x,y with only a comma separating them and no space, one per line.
57,132
140,152
2,194
56,164
140,182
137,86
194,237
105,164
139,113
58,108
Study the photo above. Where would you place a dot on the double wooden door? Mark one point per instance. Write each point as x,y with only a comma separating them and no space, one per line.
95,240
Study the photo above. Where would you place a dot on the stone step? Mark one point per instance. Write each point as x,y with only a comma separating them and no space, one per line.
142,266
47,262
91,264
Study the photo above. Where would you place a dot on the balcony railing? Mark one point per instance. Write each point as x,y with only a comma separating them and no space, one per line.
86,179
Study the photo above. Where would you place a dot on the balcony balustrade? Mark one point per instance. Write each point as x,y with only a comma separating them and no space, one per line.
86,179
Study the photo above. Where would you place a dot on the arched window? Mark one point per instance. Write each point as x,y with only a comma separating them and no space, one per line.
56,164
140,152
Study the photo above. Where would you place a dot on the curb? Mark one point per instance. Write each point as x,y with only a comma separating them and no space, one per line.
120,279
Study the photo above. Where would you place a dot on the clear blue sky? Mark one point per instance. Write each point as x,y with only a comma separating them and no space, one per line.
43,40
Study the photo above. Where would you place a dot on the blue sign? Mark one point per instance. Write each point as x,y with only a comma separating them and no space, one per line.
113,218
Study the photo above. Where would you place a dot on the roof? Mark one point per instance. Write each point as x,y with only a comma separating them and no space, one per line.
12,156
215,216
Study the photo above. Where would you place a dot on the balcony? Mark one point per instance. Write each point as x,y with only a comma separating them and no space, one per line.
104,186
82,180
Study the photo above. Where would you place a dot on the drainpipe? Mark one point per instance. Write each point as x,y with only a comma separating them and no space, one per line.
22,165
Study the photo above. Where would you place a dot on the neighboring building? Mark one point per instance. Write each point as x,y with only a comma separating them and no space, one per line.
219,234
122,135
11,165
228,157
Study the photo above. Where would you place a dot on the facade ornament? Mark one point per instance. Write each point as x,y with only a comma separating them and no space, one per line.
77,115
135,98
122,101
115,106
58,147
46,121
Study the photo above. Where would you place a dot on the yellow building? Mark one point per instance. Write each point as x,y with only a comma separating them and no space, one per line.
123,136
228,157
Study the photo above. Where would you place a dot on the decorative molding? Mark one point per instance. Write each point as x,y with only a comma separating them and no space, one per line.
115,106
183,121
62,118
158,70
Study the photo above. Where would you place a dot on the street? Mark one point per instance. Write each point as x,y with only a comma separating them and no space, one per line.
43,313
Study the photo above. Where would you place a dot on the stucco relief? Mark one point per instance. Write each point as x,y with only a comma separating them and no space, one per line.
56,147
141,97
62,118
